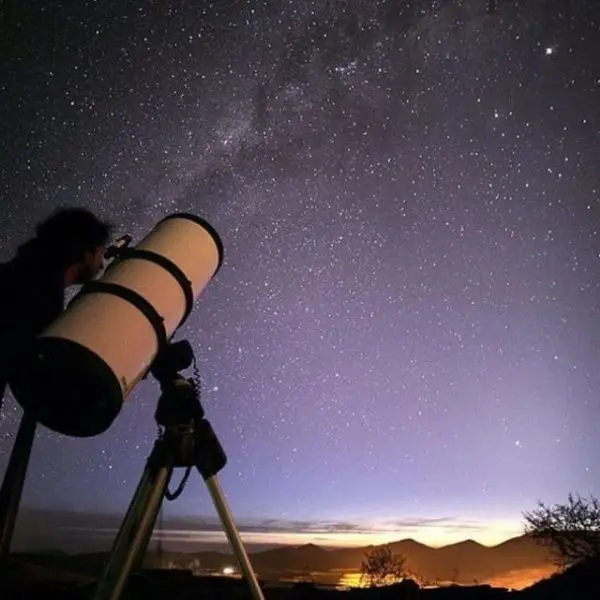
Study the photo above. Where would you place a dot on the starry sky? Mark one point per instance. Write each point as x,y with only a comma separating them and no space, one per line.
403,339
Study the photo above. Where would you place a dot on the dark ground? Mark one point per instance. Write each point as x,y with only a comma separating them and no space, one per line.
19,582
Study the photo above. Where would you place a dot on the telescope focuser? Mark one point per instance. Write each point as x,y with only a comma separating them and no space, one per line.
113,251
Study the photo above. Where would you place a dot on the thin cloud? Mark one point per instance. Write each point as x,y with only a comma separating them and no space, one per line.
87,532
419,522
185,525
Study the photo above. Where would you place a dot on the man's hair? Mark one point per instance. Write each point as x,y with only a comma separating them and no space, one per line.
69,232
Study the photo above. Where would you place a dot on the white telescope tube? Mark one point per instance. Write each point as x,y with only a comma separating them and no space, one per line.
85,364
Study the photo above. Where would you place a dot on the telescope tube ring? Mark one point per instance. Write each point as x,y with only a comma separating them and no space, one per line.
132,297
207,227
168,265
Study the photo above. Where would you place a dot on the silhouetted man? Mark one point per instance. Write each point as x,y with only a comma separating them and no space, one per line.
68,249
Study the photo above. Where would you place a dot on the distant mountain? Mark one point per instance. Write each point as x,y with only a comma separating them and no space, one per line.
463,562
308,557
51,552
17,569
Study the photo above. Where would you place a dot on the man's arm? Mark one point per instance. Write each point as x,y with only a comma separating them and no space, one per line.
25,314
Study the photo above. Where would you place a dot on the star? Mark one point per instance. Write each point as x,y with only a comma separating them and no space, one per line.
410,275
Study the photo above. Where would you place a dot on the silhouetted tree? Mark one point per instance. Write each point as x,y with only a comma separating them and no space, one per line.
572,529
382,567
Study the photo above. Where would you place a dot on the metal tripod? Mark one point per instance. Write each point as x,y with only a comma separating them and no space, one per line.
14,480
187,440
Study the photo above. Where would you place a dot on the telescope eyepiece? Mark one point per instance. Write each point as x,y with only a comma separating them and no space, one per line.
122,242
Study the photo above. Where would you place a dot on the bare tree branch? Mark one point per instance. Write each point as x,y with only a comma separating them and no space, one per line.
382,567
572,529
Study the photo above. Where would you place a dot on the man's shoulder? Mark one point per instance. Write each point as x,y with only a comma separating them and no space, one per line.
8,276
21,273
7,268
19,287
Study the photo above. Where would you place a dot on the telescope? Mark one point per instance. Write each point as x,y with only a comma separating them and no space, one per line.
81,369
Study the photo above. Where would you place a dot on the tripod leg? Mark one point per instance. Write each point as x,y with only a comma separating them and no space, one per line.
14,479
220,502
137,526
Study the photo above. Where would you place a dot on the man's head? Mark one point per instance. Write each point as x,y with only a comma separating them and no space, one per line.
76,240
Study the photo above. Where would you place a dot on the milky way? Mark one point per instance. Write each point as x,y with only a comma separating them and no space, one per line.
404,331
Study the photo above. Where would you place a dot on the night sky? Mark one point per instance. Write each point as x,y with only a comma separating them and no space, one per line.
403,339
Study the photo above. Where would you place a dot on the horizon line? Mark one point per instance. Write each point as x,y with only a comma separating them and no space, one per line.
224,542
36,524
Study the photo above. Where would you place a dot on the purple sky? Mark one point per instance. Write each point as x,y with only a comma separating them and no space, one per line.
403,340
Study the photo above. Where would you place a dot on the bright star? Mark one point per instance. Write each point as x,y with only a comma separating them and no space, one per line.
549,50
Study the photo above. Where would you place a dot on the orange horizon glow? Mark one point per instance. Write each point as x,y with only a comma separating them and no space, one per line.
486,533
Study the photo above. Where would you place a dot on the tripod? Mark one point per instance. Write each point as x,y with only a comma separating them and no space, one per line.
14,480
187,440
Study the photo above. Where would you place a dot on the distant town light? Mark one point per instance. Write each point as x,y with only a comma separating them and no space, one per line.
228,570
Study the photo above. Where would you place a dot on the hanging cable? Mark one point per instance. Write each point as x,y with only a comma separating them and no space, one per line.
174,495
